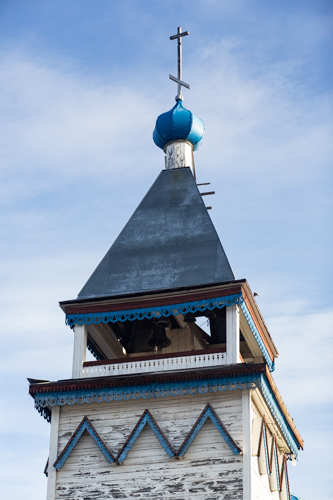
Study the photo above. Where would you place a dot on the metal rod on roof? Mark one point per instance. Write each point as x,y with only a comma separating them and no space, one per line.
193,165
179,63
207,193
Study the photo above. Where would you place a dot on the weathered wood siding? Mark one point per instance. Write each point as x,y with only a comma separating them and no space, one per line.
208,471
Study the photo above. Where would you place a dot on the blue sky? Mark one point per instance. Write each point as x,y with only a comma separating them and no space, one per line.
81,85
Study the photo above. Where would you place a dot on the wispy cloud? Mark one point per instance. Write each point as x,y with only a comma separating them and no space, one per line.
304,365
71,144
77,157
57,126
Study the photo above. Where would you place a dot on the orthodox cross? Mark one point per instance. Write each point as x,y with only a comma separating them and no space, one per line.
178,80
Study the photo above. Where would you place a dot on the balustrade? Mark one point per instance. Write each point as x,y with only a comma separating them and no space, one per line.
155,364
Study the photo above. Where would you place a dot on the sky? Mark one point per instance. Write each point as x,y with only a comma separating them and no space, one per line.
81,85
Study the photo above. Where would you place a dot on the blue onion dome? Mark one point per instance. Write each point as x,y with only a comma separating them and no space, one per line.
178,124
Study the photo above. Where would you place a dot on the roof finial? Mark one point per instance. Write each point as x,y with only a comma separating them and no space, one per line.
178,80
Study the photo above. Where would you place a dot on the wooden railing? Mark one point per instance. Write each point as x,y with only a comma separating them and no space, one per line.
158,363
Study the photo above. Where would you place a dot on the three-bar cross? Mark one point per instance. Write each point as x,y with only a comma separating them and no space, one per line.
178,80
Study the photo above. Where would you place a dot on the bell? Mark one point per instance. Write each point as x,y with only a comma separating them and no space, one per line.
158,338
163,322
210,315
189,318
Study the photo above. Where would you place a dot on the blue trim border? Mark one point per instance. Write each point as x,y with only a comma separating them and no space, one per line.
208,413
145,419
264,437
174,388
153,312
85,425
286,479
256,334
276,464
278,415
149,390
173,310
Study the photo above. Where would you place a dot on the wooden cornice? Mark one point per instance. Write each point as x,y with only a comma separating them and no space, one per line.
167,297
258,319
139,380
283,407
179,296
228,371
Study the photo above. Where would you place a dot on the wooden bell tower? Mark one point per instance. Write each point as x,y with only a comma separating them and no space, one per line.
168,410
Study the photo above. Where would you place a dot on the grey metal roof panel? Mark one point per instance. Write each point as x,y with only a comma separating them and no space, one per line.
169,242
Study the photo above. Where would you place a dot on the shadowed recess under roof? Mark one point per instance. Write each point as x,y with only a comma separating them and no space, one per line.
169,242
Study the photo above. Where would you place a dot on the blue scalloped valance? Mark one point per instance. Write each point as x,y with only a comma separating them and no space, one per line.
45,401
153,312
173,310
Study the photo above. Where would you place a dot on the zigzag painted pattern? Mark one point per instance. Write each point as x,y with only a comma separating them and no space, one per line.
269,464
146,418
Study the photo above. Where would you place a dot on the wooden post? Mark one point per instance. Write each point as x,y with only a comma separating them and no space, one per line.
232,319
79,351
247,444
53,453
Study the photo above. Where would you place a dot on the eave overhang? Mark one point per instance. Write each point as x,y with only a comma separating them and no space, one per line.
174,301
132,299
240,376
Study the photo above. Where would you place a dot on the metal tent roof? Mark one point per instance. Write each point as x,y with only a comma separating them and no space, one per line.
169,242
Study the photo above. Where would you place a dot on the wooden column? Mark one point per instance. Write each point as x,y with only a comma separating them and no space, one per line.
79,351
247,444
53,453
232,319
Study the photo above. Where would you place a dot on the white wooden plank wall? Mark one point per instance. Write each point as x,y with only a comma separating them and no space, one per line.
209,469
260,484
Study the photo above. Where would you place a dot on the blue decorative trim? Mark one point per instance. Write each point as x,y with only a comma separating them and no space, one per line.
208,412
177,388
173,310
269,457
45,412
275,458
153,312
85,425
145,419
257,336
151,390
95,352
286,478
278,415
264,436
